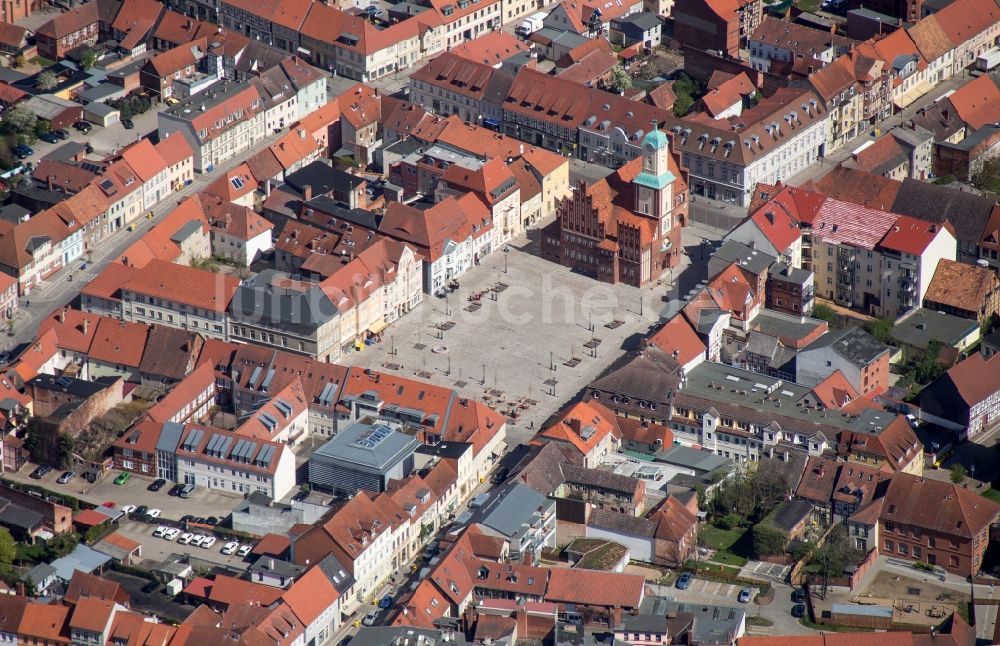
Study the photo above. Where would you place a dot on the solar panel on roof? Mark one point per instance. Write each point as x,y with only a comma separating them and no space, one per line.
374,437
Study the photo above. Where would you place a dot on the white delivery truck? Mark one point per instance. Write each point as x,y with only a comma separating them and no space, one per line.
531,24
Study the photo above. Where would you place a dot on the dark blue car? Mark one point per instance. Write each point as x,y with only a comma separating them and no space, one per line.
684,580
385,602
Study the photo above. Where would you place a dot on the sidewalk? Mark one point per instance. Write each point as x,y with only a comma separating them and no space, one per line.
817,171
59,291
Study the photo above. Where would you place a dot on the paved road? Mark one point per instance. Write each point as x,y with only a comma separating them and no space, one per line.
779,611
817,171
58,291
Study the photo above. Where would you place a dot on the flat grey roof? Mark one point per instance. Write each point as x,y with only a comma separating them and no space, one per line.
753,260
921,326
853,344
375,446
511,507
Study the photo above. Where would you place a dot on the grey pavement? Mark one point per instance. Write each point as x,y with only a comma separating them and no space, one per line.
155,550
204,502
779,611
532,342
58,290
816,171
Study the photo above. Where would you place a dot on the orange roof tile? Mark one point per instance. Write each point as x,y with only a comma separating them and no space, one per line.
45,622
594,588
174,149
119,342
310,595
910,235
92,615
492,48
183,284
678,339
584,425
230,591
976,102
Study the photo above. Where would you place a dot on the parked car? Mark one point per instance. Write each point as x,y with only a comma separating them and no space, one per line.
370,618
185,538
160,531
49,137
176,490
141,510
187,491
799,610
66,477
745,595
172,533
127,124
684,580
40,471
230,548
212,520
208,542
128,509
197,540
83,126
22,151
244,550
157,484
122,478
798,595
385,602
61,133
90,476
154,513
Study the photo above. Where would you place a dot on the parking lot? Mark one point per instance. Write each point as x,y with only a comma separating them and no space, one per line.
521,333
156,549
204,502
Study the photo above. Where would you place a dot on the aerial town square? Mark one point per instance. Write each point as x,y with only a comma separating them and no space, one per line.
499,322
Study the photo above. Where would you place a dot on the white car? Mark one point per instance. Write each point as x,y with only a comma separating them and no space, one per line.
244,550
128,509
197,540
171,533
185,538
230,548
160,531
154,513
208,542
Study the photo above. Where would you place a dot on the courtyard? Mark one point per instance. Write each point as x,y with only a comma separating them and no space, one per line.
520,333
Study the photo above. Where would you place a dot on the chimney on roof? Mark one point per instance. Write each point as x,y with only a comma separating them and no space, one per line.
307,192
86,324
62,315
48,181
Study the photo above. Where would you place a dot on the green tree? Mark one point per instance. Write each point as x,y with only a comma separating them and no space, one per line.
835,554
46,81
88,59
8,548
19,119
65,450
824,312
620,79
880,329
958,473
19,61
768,540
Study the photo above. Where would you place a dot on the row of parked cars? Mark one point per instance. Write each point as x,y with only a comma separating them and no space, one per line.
200,540
746,594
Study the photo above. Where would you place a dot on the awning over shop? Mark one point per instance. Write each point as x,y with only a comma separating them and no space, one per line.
911,95
377,326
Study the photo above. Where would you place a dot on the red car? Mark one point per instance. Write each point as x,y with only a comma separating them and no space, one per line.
109,504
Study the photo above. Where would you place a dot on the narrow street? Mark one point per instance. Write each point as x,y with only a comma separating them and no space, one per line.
59,290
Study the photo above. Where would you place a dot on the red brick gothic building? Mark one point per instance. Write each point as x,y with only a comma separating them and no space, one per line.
625,228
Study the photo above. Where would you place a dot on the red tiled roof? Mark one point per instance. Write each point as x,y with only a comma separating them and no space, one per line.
229,591
859,187
910,235
976,101
90,518
963,19
729,92
491,48
119,342
678,339
835,391
571,425
92,614
183,284
976,377
272,545
47,623
957,512
310,595
594,588
961,285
